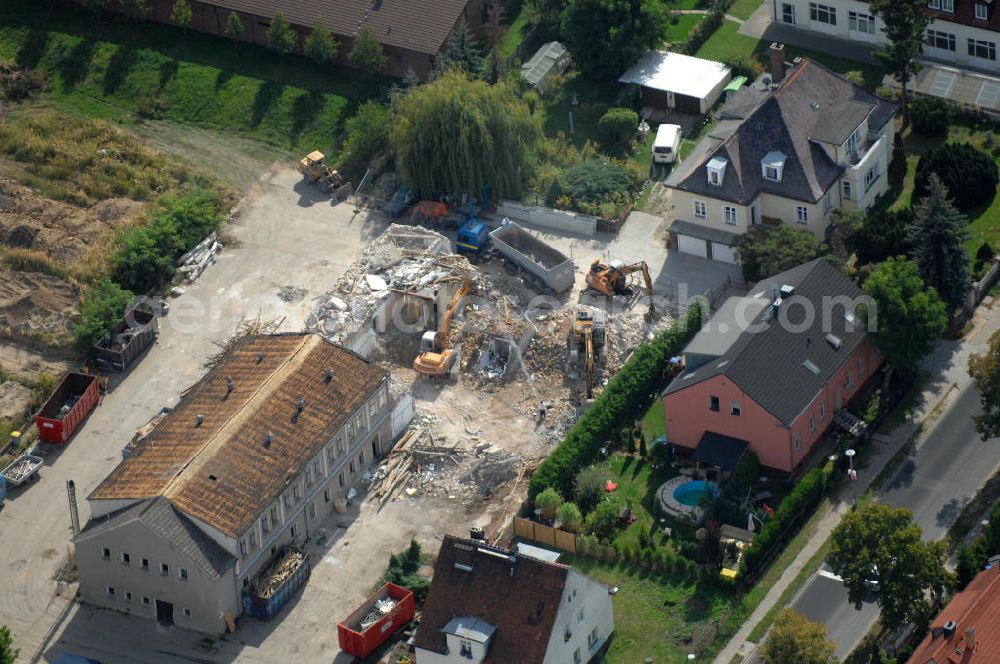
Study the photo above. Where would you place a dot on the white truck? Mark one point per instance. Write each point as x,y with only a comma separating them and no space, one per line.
667,144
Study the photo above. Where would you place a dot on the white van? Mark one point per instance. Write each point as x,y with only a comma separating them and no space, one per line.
667,143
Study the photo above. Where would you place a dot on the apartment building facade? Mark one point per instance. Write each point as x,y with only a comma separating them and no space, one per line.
961,32
252,460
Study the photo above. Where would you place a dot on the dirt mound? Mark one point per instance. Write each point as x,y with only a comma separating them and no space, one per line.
63,232
15,399
36,307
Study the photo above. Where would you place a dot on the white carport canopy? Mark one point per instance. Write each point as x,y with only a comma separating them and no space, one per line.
677,73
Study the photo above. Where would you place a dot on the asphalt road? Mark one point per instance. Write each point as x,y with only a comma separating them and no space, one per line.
935,483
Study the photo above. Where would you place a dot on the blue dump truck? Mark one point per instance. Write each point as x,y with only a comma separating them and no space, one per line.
473,237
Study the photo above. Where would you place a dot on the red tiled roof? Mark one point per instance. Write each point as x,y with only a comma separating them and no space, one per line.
518,595
976,607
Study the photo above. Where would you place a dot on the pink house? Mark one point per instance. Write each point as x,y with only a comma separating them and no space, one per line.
769,370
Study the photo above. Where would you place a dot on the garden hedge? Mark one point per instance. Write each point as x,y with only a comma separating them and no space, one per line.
786,520
627,396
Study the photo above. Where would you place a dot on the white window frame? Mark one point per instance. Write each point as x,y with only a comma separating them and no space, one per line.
713,177
989,49
788,12
801,214
734,408
771,173
820,13
943,41
126,558
871,176
845,187
982,11
729,215
822,411
828,200
700,205
850,379
861,22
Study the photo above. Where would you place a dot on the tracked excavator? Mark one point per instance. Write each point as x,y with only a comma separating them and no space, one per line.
586,343
437,357
612,279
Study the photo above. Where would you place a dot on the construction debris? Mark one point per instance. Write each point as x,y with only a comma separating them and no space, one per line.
265,585
194,262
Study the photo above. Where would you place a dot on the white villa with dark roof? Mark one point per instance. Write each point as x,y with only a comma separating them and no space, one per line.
788,149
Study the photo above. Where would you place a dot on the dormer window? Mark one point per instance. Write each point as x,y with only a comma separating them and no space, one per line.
772,166
716,169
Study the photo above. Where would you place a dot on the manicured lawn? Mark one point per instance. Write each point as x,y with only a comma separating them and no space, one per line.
110,69
659,617
984,224
726,44
744,8
653,423
679,31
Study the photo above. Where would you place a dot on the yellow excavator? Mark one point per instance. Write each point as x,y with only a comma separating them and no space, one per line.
612,278
437,356
586,342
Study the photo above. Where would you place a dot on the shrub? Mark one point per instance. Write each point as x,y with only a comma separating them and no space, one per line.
897,167
931,116
145,259
625,398
789,516
103,305
367,142
531,99
984,256
569,517
403,568
588,487
618,126
970,562
744,475
597,181
549,501
601,523
970,175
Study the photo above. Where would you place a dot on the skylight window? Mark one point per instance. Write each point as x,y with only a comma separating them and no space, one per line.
808,364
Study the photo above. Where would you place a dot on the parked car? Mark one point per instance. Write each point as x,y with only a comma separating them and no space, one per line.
400,202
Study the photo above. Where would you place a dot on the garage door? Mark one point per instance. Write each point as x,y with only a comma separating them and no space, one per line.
692,245
724,254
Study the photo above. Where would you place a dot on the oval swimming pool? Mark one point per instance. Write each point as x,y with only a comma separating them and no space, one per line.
691,493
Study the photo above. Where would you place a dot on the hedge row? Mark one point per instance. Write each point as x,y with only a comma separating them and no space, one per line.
706,28
786,520
626,397
659,559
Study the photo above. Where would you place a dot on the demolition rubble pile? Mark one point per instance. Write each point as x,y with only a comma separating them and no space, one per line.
421,464
382,608
402,259
265,585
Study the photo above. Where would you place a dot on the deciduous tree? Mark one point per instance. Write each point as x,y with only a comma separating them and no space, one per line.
937,236
881,543
985,370
320,45
281,37
234,28
796,639
137,10
367,52
904,24
905,316
606,37
367,141
458,135
102,306
180,14
547,14
766,251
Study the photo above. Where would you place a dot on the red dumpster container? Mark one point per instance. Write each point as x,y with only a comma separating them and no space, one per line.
80,393
361,641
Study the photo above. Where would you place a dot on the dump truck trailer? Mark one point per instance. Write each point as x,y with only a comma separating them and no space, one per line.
378,617
551,267
126,340
64,411
23,469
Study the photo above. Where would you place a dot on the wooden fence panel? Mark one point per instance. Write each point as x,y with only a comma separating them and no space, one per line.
545,534
565,541
524,528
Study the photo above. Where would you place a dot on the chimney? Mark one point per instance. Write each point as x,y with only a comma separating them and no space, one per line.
74,513
970,639
777,52
199,420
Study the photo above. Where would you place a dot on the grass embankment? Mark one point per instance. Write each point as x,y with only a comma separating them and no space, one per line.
109,68
744,8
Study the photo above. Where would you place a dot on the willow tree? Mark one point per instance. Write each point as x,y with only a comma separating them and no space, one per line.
458,135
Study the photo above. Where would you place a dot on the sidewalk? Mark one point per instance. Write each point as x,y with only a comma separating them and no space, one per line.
947,369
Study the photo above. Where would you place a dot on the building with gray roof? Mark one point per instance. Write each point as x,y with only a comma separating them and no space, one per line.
789,149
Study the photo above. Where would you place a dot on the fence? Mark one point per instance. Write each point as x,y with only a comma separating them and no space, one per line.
980,287
547,535
560,221
715,295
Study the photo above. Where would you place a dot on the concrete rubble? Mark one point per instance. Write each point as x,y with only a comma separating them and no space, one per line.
194,262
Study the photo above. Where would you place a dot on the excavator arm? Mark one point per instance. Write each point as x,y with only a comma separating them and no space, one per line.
444,326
